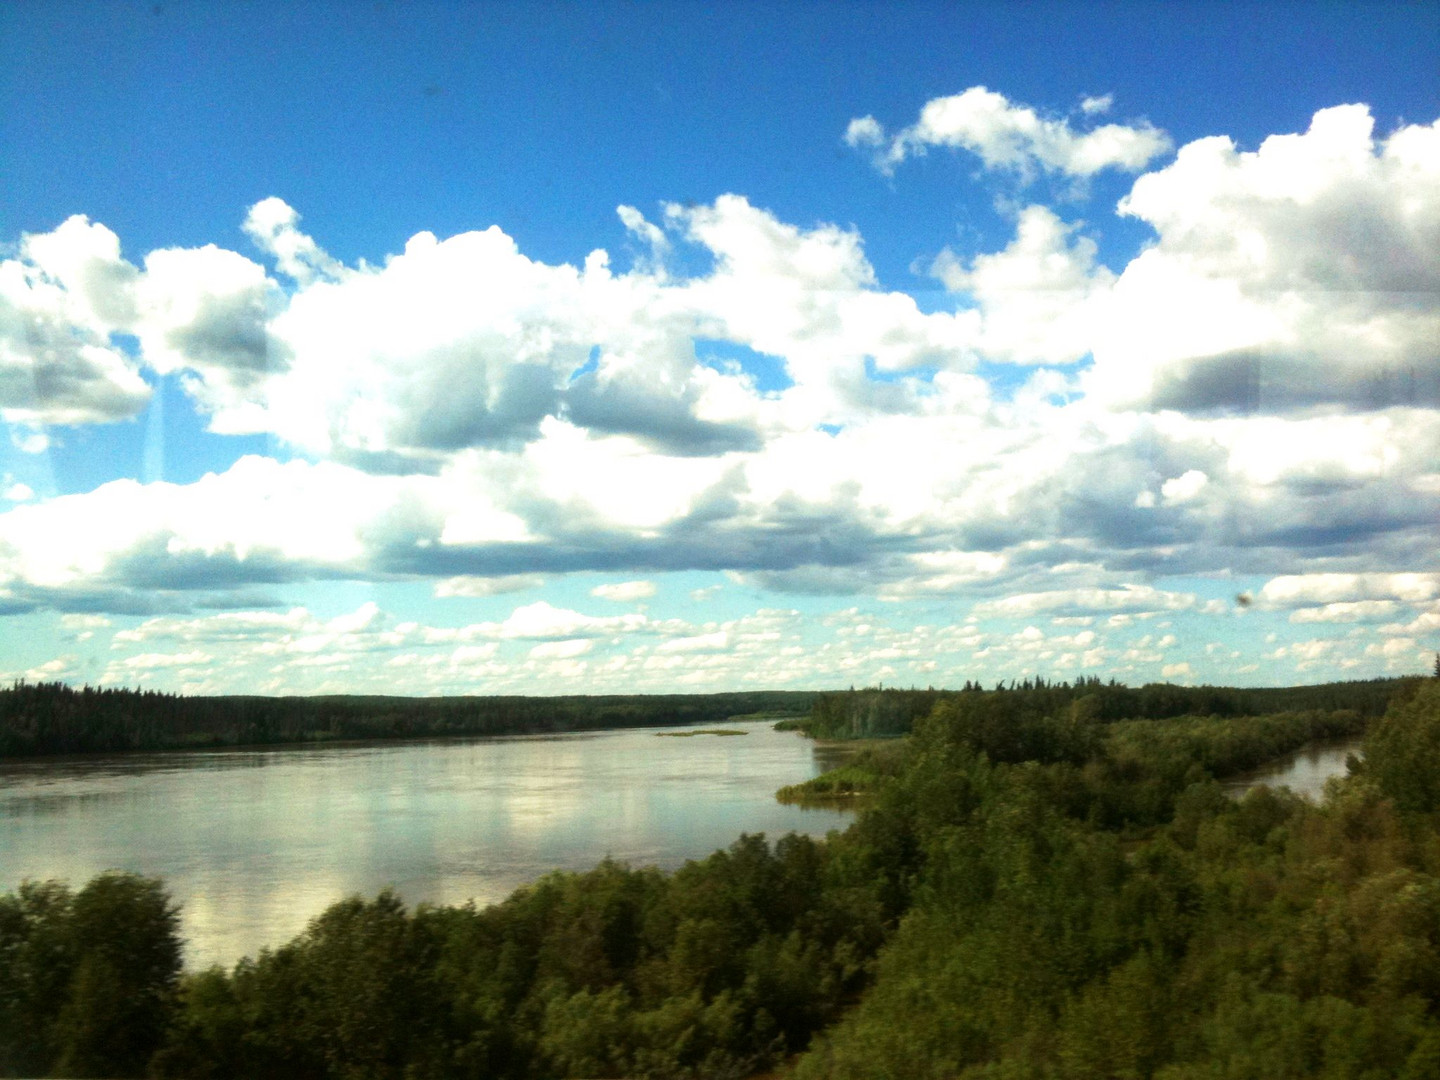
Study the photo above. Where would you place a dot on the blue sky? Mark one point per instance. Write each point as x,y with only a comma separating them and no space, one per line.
564,348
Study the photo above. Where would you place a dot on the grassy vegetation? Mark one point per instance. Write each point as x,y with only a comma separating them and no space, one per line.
872,763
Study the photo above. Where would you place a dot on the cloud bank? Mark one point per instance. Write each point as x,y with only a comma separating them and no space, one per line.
1255,392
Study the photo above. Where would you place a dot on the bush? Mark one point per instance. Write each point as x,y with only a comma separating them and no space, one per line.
87,980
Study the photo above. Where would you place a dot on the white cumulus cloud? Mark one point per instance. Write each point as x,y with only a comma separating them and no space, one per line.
1005,135
1303,273
625,591
61,298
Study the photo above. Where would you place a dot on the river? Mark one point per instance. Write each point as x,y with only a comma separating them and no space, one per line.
253,843
1303,772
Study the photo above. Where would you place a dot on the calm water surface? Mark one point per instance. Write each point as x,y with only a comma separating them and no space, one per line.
1303,772
255,843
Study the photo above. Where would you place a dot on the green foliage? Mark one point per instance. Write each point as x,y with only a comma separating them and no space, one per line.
1402,750
718,969
1011,728
869,714
1264,937
863,773
1035,888
863,714
87,980
1221,746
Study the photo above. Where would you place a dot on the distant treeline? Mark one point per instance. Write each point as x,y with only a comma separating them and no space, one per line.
1027,895
874,713
52,718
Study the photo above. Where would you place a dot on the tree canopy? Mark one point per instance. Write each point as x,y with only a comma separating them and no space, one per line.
1034,889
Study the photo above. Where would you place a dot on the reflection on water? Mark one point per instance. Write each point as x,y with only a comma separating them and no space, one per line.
1303,772
254,843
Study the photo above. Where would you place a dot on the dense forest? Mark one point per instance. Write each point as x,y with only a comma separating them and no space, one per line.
1037,887
51,718
879,713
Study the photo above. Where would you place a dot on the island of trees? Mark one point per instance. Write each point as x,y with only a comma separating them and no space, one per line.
1044,881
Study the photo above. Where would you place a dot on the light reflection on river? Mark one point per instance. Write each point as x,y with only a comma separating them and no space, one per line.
255,843
1303,772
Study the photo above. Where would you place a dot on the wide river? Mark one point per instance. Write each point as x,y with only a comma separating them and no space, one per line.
254,843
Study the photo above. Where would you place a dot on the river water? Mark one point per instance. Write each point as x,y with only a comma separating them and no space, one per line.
254,843
1303,772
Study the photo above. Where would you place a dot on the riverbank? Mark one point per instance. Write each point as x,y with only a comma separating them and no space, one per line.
45,719
856,769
